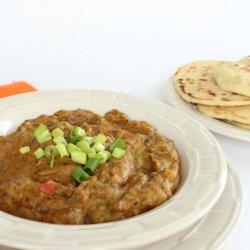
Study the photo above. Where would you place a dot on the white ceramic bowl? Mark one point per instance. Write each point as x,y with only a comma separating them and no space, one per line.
204,172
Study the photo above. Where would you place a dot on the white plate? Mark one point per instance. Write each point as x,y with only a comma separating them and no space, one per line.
213,124
214,230
204,172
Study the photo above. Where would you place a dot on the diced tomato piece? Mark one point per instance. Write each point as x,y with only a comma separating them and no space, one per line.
127,134
26,156
15,153
48,187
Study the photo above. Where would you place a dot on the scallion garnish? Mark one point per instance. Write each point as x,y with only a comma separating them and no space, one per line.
24,150
44,136
119,143
83,145
100,138
52,161
48,150
57,132
80,131
76,134
42,133
79,157
91,153
89,139
54,153
79,148
62,150
41,128
91,165
118,153
73,136
39,153
98,147
79,174
73,148
60,139
103,156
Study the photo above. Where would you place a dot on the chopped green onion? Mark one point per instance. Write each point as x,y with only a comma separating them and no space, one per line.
83,145
55,151
89,139
91,153
24,150
91,165
73,148
42,133
98,147
119,143
44,136
79,157
79,174
48,150
53,156
100,138
41,128
76,134
103,156
52,161
57,132
73,136
60,139
118,153
80,131
62,150
39,153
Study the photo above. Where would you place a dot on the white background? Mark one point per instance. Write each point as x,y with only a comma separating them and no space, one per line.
130,46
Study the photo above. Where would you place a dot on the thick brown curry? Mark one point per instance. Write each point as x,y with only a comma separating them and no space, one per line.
144,178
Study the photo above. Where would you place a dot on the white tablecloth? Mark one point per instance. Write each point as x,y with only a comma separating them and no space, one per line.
130,46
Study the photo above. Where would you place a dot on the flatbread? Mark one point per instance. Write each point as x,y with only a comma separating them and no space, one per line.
239,114
245,59
195,83
234,77
238,124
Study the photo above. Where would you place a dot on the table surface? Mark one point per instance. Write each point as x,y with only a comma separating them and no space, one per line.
130,46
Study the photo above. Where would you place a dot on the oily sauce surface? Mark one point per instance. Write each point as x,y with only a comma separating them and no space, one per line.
147,176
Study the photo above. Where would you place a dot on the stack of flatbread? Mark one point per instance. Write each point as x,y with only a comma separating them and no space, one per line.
220,89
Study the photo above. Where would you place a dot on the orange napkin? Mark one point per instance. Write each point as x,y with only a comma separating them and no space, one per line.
15,88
